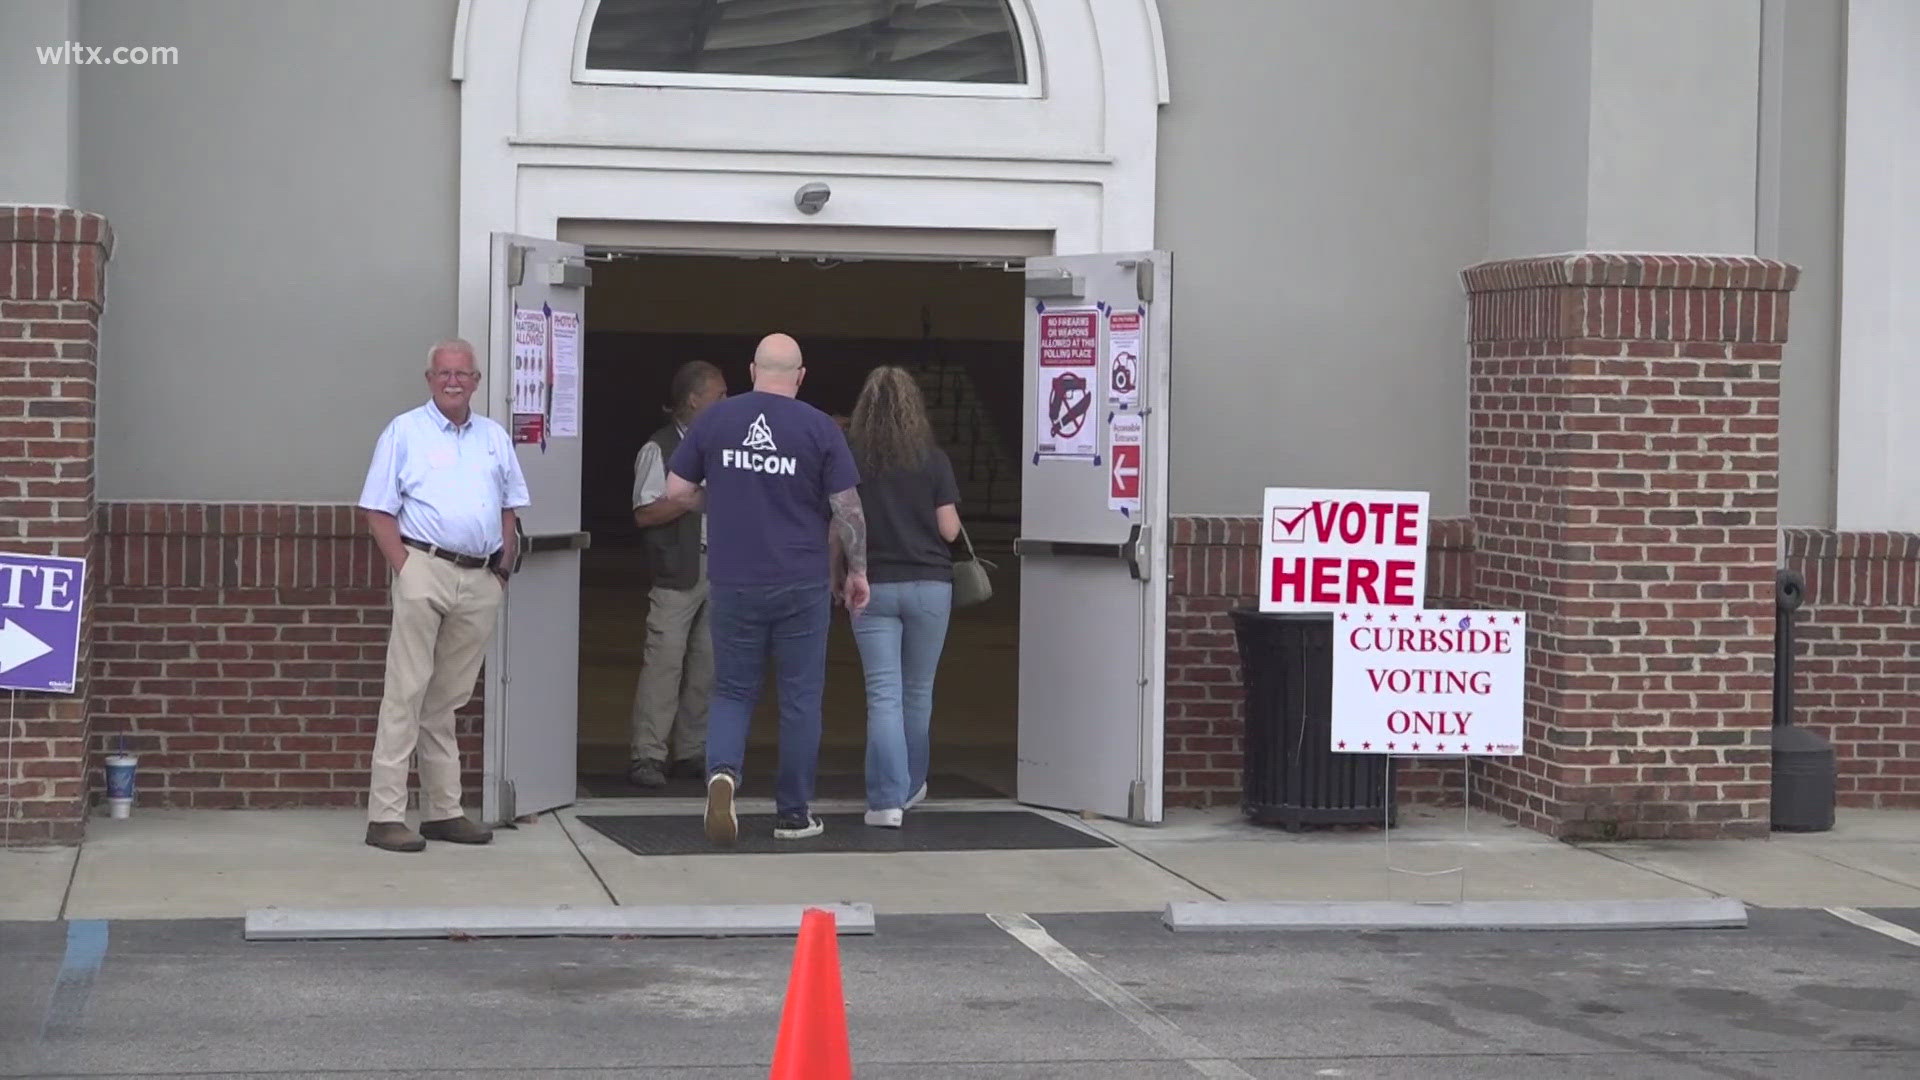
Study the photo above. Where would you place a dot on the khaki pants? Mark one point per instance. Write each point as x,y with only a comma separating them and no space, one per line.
443,617
676,677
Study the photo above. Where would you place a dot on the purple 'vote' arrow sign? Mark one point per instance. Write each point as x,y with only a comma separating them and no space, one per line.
40,621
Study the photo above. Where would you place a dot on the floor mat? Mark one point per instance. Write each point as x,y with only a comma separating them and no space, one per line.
825,786
925,830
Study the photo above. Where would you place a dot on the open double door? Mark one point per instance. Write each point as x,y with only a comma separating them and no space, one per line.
1092,544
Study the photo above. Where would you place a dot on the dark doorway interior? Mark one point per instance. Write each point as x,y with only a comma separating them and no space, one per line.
958,328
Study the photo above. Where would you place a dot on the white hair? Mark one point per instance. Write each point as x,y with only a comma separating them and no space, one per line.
459,345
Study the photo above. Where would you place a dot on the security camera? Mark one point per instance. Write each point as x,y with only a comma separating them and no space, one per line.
811,197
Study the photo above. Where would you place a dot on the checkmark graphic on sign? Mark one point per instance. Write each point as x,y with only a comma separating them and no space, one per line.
1290,524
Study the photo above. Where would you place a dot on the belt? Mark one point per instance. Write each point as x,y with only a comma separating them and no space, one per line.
470,562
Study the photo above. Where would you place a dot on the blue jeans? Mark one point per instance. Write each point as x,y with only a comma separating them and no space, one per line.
900,636
747,622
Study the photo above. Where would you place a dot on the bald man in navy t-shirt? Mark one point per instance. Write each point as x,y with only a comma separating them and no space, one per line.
779,479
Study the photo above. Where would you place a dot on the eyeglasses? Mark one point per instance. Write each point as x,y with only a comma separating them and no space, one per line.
463,376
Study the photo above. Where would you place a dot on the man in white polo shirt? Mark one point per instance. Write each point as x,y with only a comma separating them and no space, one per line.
440,499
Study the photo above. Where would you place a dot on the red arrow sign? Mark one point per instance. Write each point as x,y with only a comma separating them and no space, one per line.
1126,472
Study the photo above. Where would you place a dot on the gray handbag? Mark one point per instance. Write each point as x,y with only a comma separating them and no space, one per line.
971,585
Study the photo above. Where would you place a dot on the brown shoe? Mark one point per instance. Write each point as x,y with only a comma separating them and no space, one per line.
394,836
457,830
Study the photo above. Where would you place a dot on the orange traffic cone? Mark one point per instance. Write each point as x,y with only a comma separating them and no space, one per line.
813,1026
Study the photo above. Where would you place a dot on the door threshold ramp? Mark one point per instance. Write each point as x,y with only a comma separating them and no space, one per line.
1705,913
548,920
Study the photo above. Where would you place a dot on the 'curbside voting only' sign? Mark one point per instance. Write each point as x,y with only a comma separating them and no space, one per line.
1325,550
1429,682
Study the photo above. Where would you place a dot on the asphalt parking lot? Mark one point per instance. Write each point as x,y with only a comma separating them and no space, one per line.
1799,993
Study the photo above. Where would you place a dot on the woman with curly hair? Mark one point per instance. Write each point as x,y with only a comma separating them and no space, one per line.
909,494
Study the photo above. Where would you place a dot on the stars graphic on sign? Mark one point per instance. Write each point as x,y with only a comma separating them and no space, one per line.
1343,744
1389,746
1416,746
1393,618
1343,616
1416,618
1489,748
1464,747
1366,746
1369,616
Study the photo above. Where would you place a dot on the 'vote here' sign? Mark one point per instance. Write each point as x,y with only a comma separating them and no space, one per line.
1323,550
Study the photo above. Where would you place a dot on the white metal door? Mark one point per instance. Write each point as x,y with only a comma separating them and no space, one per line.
538,290
1093,535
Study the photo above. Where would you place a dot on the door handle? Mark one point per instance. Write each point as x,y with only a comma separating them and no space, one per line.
573,541
1128,551
524,544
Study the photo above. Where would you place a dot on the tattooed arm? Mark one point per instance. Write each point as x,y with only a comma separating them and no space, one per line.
850,540
850,528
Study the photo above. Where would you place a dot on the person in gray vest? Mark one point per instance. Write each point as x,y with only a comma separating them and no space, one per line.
676,674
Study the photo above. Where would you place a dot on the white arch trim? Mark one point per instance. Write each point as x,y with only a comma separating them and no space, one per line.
540,149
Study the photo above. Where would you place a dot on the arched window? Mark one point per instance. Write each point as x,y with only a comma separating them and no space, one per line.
974,42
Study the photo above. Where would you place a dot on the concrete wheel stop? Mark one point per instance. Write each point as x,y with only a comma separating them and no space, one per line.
548,920
1713,913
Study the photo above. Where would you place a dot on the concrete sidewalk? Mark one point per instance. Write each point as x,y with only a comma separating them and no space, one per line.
219,864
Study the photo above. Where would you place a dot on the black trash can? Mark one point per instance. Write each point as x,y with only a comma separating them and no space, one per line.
1292,776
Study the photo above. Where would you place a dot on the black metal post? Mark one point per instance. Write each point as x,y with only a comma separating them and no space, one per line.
1805,773
1789,593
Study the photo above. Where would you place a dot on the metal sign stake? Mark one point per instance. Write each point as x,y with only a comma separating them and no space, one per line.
1466,835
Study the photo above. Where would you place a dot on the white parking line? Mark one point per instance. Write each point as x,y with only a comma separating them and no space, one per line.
1876,924
1138,1013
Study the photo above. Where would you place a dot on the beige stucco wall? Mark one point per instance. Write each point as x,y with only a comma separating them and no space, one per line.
284,201
1812,61
1323,179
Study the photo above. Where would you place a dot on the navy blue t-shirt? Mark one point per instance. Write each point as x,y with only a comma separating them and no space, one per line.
769,462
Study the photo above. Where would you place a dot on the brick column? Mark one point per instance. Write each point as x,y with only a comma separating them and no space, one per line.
1624,481
53,269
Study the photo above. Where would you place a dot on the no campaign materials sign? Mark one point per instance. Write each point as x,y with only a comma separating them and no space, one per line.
1429,682
40,621
1324,550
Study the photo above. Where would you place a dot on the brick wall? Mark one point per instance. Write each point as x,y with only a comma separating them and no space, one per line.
1857,658
1213,568
53,267
1624,477
241,649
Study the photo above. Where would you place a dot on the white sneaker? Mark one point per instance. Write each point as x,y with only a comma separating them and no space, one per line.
917,798
885,819
722,826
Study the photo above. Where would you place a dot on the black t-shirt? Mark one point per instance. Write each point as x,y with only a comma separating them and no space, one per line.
903,536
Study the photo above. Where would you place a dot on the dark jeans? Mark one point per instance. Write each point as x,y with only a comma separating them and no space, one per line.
748,622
